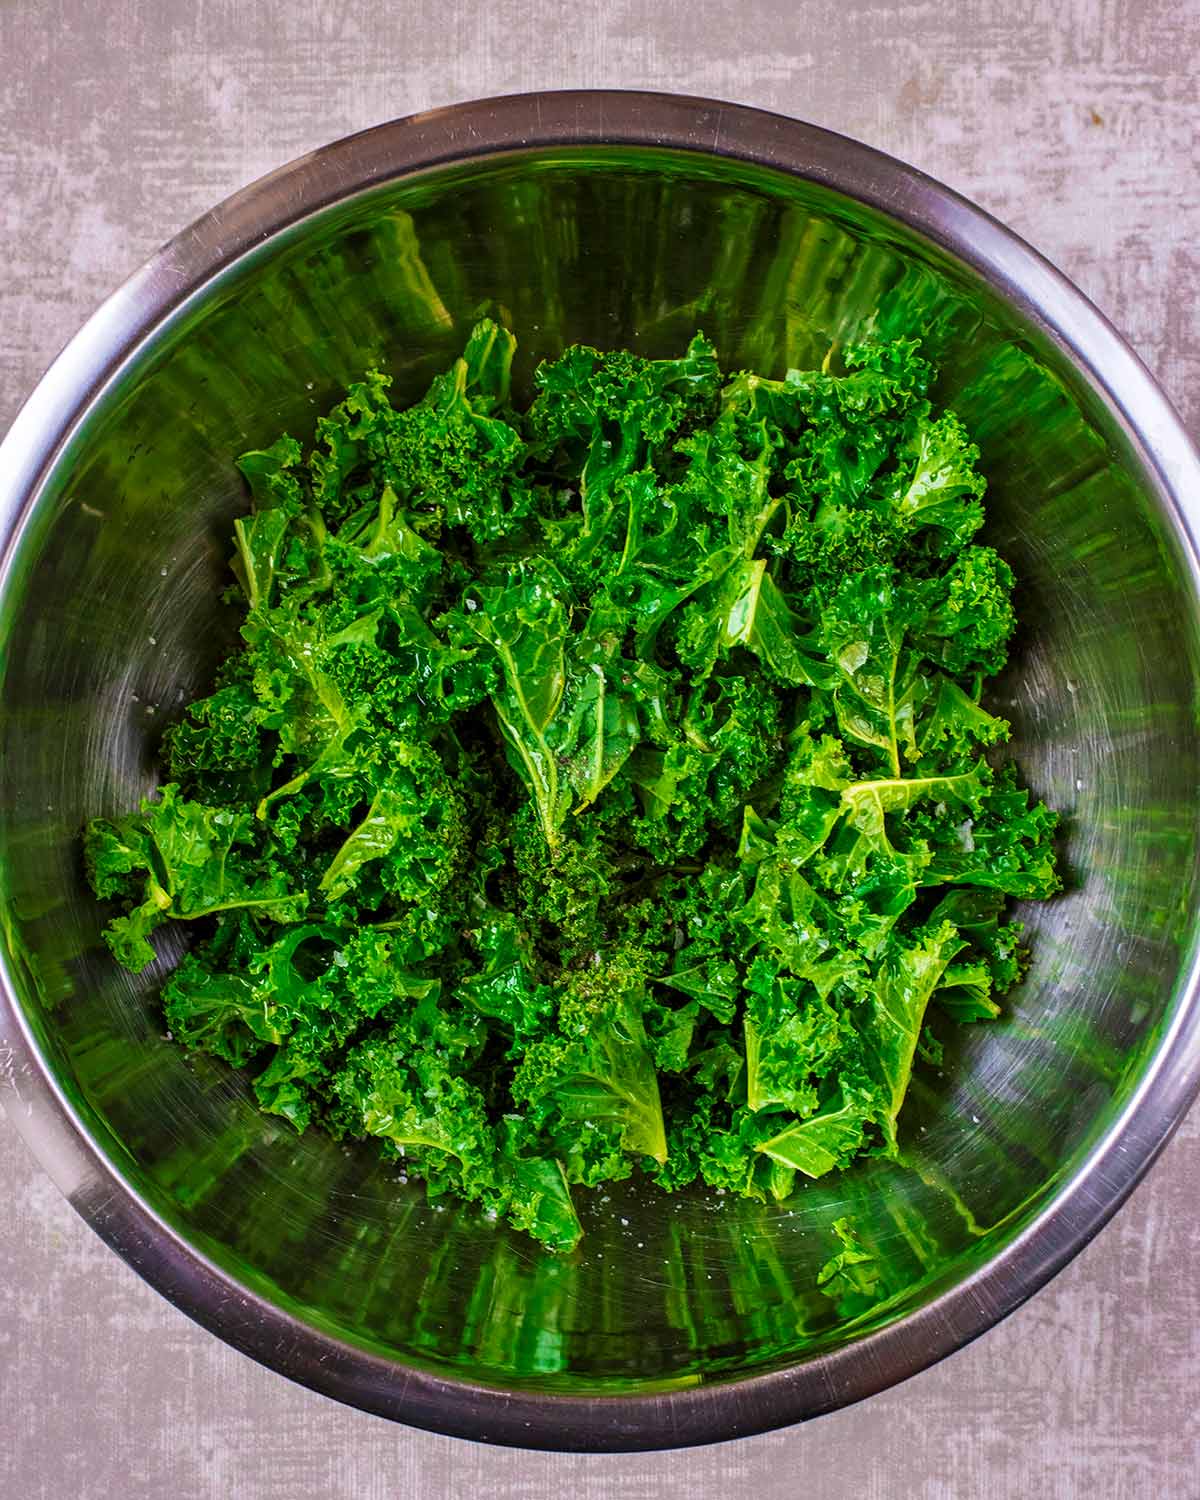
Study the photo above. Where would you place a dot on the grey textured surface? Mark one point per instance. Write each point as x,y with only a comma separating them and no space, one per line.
1073,121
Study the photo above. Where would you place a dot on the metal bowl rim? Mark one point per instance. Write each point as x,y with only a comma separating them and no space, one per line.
137,315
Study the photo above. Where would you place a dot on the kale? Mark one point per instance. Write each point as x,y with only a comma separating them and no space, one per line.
602,786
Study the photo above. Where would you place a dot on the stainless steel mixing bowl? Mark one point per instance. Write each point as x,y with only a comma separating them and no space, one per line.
617,219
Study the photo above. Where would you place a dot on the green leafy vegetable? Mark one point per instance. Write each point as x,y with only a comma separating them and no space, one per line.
602,786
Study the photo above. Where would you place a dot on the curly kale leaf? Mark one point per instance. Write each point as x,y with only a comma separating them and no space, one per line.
794,1040
937,482
827,1140
176,859
565,703
904,983
601,787
453,457
598,1070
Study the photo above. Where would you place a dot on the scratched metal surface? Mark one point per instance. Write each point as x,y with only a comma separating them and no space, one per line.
1076,123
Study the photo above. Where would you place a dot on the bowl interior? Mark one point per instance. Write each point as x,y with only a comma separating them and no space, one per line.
112,621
